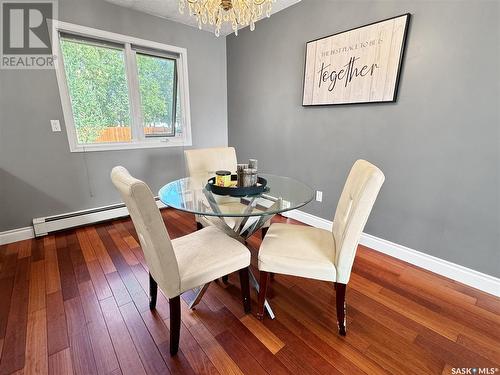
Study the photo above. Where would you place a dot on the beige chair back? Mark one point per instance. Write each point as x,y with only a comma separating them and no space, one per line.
209,160
358,197
153,235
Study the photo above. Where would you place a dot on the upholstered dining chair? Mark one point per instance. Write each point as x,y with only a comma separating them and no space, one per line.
201,162
183,263
205,161
209,160
320,254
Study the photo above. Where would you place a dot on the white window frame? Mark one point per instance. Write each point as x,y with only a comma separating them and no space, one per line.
139,139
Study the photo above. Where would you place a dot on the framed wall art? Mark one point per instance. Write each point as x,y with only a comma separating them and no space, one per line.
361,65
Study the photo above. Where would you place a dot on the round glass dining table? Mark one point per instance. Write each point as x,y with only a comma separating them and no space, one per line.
239,217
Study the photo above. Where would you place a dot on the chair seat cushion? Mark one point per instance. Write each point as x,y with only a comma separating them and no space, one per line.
206,255
212,220
298,250
231,205
230,221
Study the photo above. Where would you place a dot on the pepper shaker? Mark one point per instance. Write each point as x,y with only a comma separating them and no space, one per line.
240,168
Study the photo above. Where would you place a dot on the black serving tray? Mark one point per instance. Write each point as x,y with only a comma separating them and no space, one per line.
237,191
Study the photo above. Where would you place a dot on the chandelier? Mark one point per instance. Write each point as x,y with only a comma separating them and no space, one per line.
239,13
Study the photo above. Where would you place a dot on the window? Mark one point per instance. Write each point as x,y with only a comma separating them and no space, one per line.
120,92
156,86
97,86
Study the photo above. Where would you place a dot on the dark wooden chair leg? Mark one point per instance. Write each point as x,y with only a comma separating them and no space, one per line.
225,279
264,279
175,323
199,226
153,292
341,307
245,290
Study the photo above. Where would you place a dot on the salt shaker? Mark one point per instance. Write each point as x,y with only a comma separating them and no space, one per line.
249,177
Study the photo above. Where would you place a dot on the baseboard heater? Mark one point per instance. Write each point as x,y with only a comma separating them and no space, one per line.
45,225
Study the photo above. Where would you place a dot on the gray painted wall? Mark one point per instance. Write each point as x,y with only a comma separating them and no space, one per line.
438,145
38,174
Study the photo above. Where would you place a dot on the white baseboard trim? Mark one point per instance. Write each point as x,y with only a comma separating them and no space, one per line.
15,235
467,276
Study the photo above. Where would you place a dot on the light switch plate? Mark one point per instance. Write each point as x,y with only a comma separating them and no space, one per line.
319,196
56,126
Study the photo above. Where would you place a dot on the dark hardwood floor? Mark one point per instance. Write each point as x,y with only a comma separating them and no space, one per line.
77,302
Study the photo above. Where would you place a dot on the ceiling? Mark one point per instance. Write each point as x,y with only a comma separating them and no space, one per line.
169,9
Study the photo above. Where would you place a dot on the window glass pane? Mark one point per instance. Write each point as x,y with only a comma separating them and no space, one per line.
156,84
98,90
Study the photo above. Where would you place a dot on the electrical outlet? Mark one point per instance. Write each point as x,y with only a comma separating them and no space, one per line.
56,126
319,196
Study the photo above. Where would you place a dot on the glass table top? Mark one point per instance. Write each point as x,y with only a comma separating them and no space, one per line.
190,194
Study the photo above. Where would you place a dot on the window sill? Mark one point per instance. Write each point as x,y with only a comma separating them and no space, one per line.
130,146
